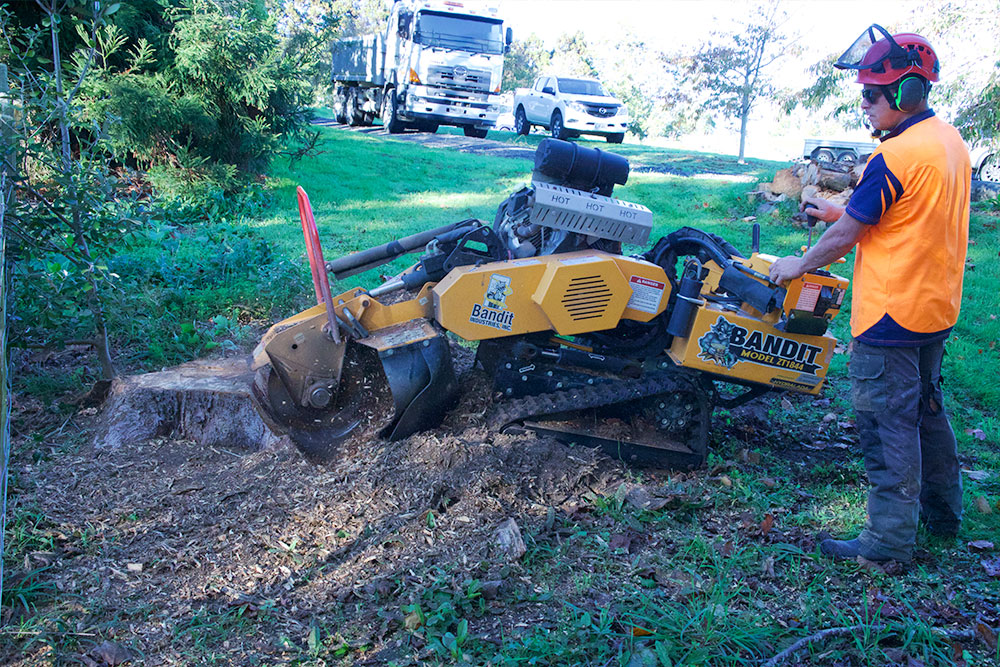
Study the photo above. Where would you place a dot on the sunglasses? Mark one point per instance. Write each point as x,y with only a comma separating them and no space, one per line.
871,95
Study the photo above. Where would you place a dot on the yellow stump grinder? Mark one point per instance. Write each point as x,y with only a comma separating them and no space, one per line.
630,353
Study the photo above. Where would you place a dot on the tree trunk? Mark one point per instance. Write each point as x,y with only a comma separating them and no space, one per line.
205,401
102,346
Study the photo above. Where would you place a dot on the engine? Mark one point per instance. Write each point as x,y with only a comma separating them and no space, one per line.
568,205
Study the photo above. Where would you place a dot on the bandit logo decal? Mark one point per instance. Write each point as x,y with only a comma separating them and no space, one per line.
715,344
726,344
497,292
493,311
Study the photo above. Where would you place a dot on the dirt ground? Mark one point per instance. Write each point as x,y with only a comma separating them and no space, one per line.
166,553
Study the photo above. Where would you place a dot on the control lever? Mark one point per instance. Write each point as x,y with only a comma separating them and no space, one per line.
810,220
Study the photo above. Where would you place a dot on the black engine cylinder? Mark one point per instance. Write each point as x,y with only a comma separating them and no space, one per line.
580,168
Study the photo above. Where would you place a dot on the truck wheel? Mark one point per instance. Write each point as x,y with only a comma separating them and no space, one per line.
340,105
474,132
990,169
616,138
556,126
847,157
391,116
354,115
521,124
822,155
428,127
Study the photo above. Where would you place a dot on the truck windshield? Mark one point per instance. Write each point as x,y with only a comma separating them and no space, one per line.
465,33
581,87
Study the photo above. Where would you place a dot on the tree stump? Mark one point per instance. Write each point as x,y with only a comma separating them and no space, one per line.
204,401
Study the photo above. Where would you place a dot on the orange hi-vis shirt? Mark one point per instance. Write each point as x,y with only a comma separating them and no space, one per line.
909,266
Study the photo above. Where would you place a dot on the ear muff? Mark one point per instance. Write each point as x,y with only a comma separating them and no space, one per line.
910,93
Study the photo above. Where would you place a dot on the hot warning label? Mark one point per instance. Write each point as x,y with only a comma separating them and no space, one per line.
646,294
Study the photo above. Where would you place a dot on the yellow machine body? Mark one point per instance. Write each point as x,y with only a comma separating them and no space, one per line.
735,345
569,293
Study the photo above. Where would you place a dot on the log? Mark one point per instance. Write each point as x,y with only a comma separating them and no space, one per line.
985,190
204,401
786,182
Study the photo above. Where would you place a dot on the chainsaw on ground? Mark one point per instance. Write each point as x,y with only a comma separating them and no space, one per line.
630,353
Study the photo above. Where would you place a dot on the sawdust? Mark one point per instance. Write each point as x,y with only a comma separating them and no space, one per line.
177,529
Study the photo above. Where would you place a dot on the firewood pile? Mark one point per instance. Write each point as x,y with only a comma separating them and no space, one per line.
834,181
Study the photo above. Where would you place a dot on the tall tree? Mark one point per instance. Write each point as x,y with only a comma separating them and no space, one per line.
525,62
732,66
573,56
970,83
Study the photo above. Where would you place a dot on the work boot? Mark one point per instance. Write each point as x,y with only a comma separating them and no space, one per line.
847,550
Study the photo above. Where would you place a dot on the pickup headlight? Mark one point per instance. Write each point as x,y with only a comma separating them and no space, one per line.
577,106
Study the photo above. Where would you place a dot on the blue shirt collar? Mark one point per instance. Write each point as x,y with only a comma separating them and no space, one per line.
909,122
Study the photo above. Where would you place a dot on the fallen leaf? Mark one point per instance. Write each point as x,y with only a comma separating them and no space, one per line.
413,621
640,632
620,541
992,566
987,634
767,567
980,545
786,404
914,662
767,524
976,433
768,482
725,481
983,505
726,549
829,417
111,653
134,567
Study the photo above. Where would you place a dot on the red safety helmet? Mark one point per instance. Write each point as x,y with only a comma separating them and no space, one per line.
887,59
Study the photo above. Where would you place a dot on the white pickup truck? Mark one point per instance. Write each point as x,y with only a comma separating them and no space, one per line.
569,107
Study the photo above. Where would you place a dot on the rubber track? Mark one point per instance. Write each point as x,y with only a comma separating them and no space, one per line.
596,396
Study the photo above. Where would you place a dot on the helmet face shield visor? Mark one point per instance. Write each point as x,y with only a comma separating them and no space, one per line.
854,57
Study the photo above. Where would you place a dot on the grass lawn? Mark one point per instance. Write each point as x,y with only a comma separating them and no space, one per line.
722,573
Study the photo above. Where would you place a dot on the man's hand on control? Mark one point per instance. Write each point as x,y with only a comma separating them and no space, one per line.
821,209
786,268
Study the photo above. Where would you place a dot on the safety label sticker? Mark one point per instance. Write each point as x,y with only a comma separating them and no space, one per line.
808,297
646,294
586,259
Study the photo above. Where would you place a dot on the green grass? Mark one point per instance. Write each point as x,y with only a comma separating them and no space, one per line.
707,588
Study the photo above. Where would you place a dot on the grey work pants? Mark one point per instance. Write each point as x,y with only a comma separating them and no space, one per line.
908,444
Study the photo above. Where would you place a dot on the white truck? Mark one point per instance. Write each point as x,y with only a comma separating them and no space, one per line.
438,62
568,107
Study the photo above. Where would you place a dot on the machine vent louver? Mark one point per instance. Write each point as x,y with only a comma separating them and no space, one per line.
586,298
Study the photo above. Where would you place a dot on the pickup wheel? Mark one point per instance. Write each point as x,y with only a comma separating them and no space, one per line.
556,126
616,138
989,170
391,116
474,132
521,124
